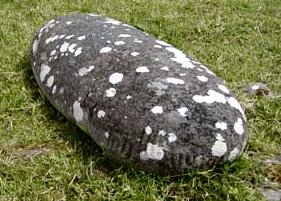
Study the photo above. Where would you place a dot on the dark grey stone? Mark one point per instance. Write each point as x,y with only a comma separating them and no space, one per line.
141,99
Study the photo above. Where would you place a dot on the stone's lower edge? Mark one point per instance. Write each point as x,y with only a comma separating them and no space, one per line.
127,154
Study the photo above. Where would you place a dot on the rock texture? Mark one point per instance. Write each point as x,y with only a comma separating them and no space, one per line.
258,89
141,99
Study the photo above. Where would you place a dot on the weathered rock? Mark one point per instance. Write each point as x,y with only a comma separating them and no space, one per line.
271,194
276,160
141,99
258,89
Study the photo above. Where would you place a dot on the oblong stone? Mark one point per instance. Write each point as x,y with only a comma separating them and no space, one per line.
141,99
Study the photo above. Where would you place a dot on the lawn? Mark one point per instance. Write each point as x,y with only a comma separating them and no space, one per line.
45,157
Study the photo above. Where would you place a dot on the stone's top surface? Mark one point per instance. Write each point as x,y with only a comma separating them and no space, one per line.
143,100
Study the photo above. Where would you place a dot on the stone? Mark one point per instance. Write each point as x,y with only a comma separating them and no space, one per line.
271,194
276,160
258,89
142,100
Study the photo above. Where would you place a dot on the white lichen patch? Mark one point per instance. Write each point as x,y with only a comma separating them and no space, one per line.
124,35
81,38
180,58
54,90
175,81
78,51
148,130
85,70
126,25
52,25
105,49
162,132
200,69
78,112
235,104
153,151
101,114
233,154
35,46
53,53
71,48
157,46
115,78
165,68
212,97
137,41
183,111
157,110
219,148
45,69
219,137
69,37
135,54
106,134
202,78
172,137
111,92
47,26
61,90
255,87
238,126
223,88
52,39
142,69
112,21
221,125
50,81
64,47
94,15
119,43
162,43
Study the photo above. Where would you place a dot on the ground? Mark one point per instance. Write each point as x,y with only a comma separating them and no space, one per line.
45,157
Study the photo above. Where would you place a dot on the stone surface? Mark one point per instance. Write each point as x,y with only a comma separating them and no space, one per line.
271,194
259,89
276,160
141,99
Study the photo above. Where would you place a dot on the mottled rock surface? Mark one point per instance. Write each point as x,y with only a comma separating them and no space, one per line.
141,99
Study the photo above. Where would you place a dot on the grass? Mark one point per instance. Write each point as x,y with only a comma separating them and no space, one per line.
44,157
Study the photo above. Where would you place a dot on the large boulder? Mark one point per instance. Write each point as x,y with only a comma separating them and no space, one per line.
142,100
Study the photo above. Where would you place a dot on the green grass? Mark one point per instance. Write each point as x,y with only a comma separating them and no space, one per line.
44,157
